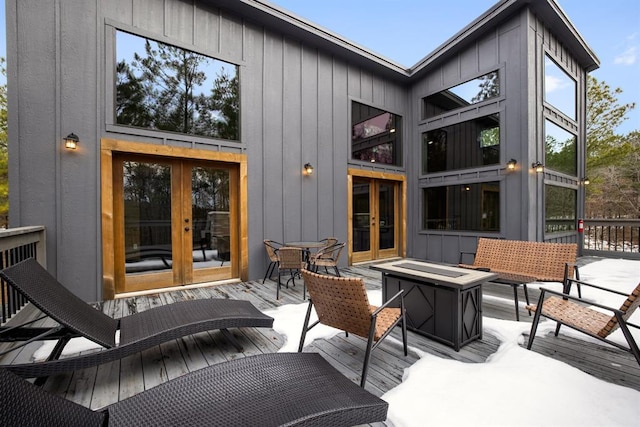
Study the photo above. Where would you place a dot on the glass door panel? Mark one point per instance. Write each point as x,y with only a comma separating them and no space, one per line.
386,215
147,202
211,217
361,225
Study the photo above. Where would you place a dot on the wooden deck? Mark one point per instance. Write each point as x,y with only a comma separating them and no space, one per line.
99,386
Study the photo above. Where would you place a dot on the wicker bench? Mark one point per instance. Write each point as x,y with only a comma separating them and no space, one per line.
520,262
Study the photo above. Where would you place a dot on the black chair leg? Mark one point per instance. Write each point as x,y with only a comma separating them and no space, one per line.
278,286
536,319
515,298
526,296
305,327
367,357
269,271
404,326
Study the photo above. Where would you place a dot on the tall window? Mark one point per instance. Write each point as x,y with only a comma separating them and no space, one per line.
463,145
163,87
560,90
560,149
468,93
466,207
560,209
376,135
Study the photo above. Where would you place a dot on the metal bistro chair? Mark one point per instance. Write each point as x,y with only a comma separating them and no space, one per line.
342,303
327,257
271,246
290,260
326,243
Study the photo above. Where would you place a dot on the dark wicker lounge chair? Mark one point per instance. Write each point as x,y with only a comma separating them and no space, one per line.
138,331
292,389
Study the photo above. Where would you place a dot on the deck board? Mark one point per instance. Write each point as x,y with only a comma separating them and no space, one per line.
100,386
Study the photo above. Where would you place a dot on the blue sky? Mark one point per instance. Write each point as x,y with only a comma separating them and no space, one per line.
407,30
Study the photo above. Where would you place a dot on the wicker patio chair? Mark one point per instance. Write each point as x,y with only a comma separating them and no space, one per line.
271,246
138,331
265,390
577,313
290,261
342,303
327,257
328,242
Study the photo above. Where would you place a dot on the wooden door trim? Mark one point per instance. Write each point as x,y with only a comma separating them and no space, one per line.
109,146
402,218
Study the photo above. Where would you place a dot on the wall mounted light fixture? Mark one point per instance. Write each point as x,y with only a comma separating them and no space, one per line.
539,167
308,169
511,164
586,181
71,141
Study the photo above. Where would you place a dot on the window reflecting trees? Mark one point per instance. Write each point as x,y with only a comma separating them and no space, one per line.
163,87
471,92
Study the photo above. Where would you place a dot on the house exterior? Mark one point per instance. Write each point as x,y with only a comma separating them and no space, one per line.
195,119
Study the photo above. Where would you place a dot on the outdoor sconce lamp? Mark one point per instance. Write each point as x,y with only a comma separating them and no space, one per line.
511,164
585,181
71,141
539,167
308,169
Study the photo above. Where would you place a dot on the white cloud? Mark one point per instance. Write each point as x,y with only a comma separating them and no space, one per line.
552,83
628,57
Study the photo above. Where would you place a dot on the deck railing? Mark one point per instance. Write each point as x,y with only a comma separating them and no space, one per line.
612,238
17,244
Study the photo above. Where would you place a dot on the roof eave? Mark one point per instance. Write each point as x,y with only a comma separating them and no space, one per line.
275,18
548,10
272,17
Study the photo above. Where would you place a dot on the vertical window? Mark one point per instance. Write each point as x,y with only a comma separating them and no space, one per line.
464,145
163,87
560,209
376,135
560,149
465,94
466,207
560,90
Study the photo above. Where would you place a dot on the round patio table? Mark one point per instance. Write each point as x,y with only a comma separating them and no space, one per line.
305,245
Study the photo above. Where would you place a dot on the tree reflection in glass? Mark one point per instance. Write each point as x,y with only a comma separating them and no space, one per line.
163,87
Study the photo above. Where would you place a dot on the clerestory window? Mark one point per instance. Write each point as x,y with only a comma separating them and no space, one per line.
167,88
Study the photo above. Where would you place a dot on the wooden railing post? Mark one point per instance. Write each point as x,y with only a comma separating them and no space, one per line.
18,244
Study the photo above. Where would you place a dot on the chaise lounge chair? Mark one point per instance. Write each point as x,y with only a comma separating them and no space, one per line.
138,331
293,389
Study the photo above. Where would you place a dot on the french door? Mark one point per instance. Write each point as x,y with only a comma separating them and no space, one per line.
375,218
174,221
